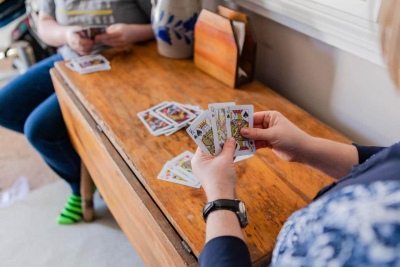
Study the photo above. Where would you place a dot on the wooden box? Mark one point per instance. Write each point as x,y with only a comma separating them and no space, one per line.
217,50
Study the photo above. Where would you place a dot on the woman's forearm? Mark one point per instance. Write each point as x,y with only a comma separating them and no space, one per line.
140,32
51,32
332,158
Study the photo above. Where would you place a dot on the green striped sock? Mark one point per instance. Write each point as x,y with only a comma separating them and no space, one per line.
72,211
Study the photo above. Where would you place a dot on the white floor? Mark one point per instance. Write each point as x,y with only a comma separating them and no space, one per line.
30,236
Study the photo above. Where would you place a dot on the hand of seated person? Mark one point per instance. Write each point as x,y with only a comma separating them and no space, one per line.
217,174
275,131
121,34
80,45
117,35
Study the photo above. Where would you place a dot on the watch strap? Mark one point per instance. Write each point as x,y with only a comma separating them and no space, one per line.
226,204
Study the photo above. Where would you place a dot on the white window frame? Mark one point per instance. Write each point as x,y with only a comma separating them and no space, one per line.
351,25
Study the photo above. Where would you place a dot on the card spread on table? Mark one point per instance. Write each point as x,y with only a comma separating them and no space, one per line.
89,64
175,113
168,117
179,170
223,120
154,123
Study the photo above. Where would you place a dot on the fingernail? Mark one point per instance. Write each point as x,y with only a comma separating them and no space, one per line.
231,140
244,131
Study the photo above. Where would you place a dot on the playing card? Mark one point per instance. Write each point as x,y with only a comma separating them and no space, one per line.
162,104
96,30
174,129
83,33
90,32
167,175
154,123
238,117
91,63
195,110
201,132
191,182
240,158
218,120
70,66
175,113
182,163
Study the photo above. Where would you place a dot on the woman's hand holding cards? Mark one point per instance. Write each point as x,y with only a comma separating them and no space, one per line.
275,131
217,174
120,34
117,35
82,46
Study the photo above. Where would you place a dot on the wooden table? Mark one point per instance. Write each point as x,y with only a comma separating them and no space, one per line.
163,220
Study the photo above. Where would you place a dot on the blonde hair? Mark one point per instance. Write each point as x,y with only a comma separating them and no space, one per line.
390,37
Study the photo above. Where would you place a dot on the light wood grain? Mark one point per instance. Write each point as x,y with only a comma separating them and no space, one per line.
139,217
139,78
215,48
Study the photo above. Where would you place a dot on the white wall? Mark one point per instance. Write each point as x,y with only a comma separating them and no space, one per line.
351,94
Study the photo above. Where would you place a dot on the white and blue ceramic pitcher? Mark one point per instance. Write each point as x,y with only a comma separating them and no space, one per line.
173,25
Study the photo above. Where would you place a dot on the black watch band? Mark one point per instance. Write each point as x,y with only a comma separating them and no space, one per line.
236,205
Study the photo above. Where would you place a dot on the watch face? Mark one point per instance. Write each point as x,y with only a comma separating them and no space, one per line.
242,215
206,209
242,207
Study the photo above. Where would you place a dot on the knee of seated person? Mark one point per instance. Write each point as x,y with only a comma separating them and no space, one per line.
33,132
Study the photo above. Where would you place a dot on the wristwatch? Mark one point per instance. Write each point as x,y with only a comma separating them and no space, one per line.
236,205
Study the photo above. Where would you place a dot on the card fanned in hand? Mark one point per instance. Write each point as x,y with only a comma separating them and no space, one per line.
222,121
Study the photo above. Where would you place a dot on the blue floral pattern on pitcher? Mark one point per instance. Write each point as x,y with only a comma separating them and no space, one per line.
181,29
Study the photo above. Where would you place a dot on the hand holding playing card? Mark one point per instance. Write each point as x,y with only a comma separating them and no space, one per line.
77,43
273,130
217,174
117,35
211,129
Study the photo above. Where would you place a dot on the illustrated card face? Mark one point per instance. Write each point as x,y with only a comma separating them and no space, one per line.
96,30
191,182
194,110
154,123
162,104
83,33
201,132
238,117
167,175
91,63
218,120
90,32
175,113
182,163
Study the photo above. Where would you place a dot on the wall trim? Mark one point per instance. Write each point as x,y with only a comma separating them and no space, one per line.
352,33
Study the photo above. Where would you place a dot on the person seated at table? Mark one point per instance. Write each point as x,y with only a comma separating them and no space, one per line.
29,105
353,222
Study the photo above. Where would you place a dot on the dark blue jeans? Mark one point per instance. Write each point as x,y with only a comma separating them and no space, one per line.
29,105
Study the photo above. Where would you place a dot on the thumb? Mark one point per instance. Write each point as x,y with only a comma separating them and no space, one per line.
255,133
229,148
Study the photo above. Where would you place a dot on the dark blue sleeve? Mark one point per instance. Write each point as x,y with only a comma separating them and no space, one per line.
224,251
365,152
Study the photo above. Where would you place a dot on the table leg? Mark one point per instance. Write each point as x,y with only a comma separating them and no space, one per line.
87,190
